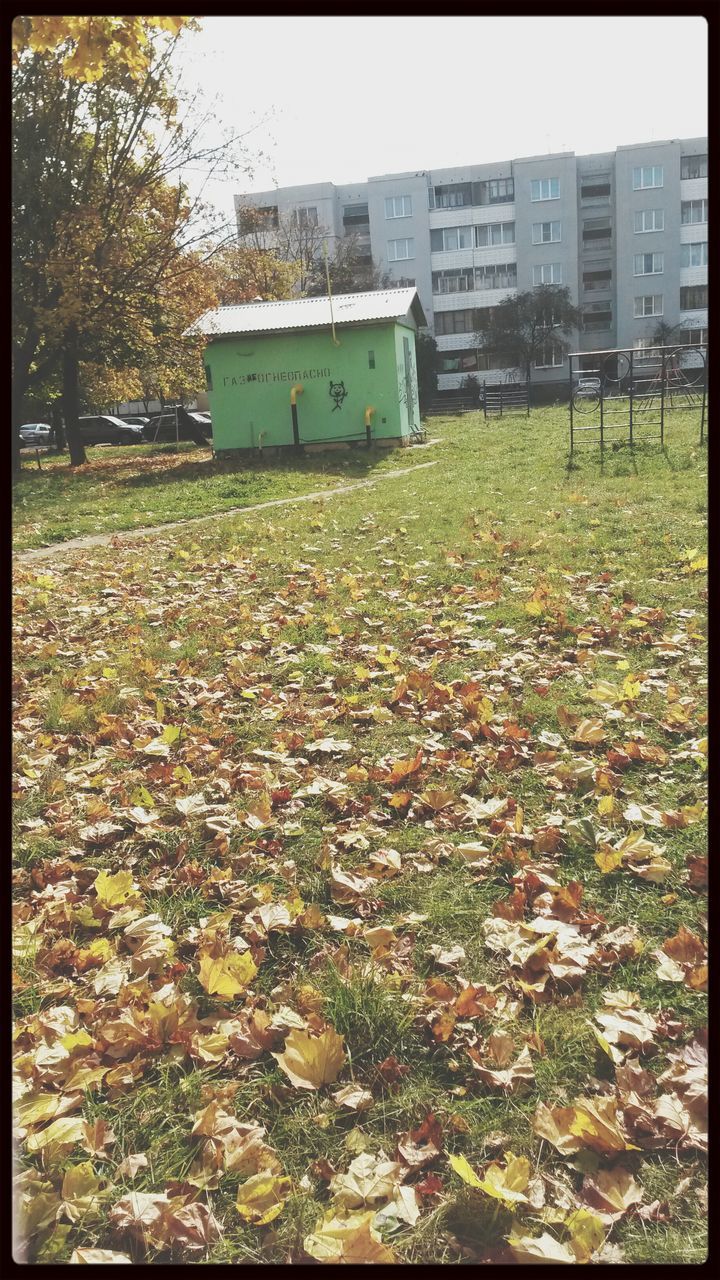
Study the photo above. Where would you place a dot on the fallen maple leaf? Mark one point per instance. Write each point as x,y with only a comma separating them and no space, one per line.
369,1179
544,1248
226,975
312,1061
350,1239
262,1198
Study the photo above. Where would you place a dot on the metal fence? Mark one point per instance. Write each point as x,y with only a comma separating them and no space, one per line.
623,396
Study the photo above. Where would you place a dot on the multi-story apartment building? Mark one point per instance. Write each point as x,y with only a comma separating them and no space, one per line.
626,231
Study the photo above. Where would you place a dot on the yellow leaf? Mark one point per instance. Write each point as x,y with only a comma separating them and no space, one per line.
65,1132
544,1248
607,858
508,1184
465,1171
631,688
590,731
350,1239
311,1061
262,1198
112,890
587,1233
226,976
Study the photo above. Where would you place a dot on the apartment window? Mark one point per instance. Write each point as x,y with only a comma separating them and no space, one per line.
453,281
307,217
546,232
398,207
597,278
650,304
597,318
494,233
693,337
399,250
500,190
547,273
694,167
648,264
404,282
596,229
694,255
647,176
496,276
649,220
694,211
448,322
454,196
595,188
465,361
356,215
545,189
449,238
549,357
647,351
259,218
694,298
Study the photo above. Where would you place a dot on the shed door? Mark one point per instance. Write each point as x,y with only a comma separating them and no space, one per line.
409,390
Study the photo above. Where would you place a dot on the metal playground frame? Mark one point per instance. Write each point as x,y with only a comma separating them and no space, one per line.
622,396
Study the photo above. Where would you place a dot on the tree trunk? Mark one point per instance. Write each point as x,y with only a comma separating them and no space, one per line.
58,427
15,425
71,398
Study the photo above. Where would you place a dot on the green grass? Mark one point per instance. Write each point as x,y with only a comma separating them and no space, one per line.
429,572
143,485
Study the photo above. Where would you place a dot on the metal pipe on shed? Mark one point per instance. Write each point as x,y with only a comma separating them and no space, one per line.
294,393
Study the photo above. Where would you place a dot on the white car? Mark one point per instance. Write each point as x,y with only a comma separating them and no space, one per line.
587,387
36,433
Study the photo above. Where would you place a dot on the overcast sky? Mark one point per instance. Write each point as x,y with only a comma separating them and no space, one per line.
339,99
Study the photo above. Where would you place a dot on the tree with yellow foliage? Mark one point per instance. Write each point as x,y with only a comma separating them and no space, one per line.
110,250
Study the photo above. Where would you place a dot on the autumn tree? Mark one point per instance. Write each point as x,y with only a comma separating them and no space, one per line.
518,330
103,222
295,237
351,270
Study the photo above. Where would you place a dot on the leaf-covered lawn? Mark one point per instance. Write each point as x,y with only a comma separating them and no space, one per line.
141,485
360,872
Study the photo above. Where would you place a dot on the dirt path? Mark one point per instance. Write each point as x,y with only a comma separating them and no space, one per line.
154,531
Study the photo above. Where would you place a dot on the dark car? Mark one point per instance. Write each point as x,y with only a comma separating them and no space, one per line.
163,428
105,429
136,421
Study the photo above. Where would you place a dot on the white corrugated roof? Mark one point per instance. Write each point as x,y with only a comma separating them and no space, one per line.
311,313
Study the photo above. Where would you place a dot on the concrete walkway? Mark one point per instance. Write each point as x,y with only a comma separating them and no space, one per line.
154,531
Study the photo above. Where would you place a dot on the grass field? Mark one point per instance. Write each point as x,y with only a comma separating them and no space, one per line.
140,485
406,788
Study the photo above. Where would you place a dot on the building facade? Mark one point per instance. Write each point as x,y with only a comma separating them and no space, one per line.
626,231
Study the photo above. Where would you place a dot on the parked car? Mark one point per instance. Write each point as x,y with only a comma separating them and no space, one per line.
105,429
36,433
190,426
587,388
136,422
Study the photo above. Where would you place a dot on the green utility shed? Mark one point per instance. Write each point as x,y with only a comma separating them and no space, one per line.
313,371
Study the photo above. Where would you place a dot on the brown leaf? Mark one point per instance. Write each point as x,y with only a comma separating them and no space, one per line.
419,1146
